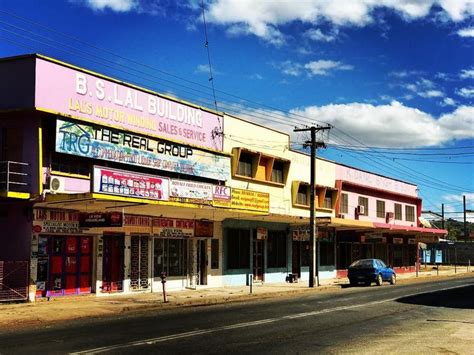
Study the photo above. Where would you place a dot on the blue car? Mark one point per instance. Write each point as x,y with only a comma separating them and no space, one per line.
370,270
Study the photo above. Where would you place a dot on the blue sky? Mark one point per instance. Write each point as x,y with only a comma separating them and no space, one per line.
394,77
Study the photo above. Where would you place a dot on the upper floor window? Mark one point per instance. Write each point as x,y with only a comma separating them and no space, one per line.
245,165
398,212
410,213
277,172
380,209
344,207
364,202
328,200
302,197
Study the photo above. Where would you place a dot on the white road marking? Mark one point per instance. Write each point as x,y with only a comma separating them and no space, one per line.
161,339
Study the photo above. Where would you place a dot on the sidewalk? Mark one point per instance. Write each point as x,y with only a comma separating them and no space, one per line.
44,313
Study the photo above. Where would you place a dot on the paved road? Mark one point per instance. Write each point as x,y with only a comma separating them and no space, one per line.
423,317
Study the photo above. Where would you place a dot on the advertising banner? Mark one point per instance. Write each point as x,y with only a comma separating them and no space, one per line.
173,228
243,200
104,101
190,191
122,147
129,184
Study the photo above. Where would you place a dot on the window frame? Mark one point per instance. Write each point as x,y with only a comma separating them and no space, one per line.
344,203
363,201
409,213
398,214
380,208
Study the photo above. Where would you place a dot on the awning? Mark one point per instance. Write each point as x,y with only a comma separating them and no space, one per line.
409,229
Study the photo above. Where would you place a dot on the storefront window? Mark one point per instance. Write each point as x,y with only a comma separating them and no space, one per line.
276,249
238,248
170,256
326,253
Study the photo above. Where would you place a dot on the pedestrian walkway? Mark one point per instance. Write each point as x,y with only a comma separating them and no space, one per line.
44,312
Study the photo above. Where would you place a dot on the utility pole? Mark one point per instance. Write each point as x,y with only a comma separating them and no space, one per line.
442,216
465,221
314,264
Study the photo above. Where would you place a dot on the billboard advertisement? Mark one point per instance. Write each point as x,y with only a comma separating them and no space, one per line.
96,142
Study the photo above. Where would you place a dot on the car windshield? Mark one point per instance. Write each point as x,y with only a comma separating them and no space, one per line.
363,263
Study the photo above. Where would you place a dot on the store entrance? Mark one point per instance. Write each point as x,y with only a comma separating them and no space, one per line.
64,265
113,263
202,261
258,259
296,258
139,262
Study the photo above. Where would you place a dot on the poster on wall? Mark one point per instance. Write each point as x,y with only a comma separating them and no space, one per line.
105,101
129,184
109,144
262,233
173,228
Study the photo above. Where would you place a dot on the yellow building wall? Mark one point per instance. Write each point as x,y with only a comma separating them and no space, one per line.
241,133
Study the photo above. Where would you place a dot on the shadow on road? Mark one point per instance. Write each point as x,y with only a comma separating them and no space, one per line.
454,298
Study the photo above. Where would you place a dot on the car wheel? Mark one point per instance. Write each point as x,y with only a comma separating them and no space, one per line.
393,279
379,280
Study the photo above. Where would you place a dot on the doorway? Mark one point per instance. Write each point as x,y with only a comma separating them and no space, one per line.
296,258
113,263
139,262
202,262
258,259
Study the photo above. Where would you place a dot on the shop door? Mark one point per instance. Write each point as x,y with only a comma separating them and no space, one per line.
112,263
139,263
70,265
296,258
202,262
257,259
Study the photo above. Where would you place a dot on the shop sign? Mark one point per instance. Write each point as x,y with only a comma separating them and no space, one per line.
397,240
301,234
44,214
190,191
362,238
123,147
412,241
129,184
246,200
107,102
136,220
427,239
100,219
204,229
262,233
173,228
221,193
59,227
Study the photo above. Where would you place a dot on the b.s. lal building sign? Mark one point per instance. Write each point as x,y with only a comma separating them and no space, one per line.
85,96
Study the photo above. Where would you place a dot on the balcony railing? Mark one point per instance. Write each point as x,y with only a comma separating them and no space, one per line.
14,179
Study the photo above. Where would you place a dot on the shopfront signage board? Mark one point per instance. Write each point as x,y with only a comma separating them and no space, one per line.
100,219
112,103
247,200
173,228
108,144
128,184
190,191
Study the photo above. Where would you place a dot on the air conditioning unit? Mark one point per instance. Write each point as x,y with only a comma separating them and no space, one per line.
360,209
389,216
56,184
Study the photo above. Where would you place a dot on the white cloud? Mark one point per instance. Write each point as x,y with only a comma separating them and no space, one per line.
313,68
317,35
431,93
448,102
467,73
466,92
394,125
402,74
262,18
466,32
255,77
324,67
114,5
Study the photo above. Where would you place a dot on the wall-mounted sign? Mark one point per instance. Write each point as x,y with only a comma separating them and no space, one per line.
62,227
397,240
107,102
246,200
262,233
123,147
204,229
190,191
101,219
137,220
301,235
173,228
128,184
221,193
412,241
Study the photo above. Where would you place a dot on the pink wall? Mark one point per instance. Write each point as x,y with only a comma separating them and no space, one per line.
356,176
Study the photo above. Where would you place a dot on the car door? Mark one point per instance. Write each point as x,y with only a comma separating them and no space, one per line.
385,271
